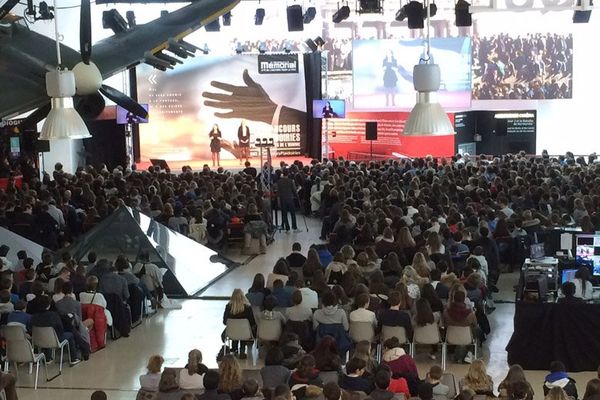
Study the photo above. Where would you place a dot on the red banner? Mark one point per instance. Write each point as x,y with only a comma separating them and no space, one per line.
347,137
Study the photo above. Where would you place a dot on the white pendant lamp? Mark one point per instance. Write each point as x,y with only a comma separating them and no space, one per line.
63,121
427,118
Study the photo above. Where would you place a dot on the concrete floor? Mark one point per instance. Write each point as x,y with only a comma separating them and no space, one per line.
173,333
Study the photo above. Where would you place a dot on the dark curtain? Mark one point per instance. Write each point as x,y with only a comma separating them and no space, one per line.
107,144
545,332
311,141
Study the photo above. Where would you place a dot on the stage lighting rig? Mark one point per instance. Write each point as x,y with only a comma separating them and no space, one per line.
413,11
214,26
370,7
583,11
461,11
45,11
227,19
341,14
259,16
310,14
130,15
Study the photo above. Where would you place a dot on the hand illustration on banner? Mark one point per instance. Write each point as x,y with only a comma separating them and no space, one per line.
245,102
249,102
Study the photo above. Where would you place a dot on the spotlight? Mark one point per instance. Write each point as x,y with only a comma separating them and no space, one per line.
583,15
401,14
414,13
259,16
319,41
295,18
370,7
463,16
130,15
214,26
45,11
311,45
341,14
309,15
432,10
227,19
205,49
113,20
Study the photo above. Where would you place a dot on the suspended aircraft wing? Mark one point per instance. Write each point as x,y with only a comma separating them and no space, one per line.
126,49
25,56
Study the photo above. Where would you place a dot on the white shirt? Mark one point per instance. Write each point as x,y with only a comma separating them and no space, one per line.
99,300
150,382
310,299
363,315
57,214
187,381
153,277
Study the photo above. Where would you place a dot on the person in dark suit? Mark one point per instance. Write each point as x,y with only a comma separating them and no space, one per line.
49,318
286,191
211,382
296,259
244,141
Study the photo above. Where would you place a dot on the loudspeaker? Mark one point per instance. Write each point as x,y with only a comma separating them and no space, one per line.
42,146
371,130
295,18
501,127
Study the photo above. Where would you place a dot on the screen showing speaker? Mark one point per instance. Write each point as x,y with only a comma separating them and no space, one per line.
382,72
126,117
587,251
329,108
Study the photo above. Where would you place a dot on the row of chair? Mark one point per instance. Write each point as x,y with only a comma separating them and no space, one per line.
271,331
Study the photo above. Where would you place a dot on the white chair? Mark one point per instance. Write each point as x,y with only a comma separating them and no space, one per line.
427,334
399,332
14,332
458,336
329,376
238,329
21,351
45,338
269,330
361,331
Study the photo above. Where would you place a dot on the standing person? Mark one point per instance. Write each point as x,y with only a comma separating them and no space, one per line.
215,145
286,191
390,78
244,140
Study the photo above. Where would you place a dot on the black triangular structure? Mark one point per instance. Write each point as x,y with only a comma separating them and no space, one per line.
191,267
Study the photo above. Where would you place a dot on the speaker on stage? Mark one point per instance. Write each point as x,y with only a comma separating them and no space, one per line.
371,130
295,18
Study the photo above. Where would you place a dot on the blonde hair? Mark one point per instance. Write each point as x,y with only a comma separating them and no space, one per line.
363,352
477,378
194,358
238,302
434,242
155,364
230,374
419,262
556,393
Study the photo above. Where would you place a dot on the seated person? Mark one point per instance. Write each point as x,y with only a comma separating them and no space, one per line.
149,382
19,316
433,378
25,286
568,291
330,313
326,355
281,271
477,379
558,377
362,312
459,314
298,311
49,318
192,376
354,379
113,283
250,390
68,305
394,316
92,296
296,259
306,373
254,228
211,383
151,277
440,288
268,313
282,293
382,382
400,363
425,391
274,373
78,279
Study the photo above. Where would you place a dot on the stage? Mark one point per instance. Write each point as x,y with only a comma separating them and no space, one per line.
230,164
